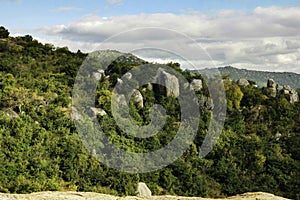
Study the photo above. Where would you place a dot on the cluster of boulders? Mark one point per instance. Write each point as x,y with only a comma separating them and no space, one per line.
293,95
170,82
272,89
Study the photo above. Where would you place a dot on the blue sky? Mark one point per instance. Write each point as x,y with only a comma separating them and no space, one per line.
251,34
21,14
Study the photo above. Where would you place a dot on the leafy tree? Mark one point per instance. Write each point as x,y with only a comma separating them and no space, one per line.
3,32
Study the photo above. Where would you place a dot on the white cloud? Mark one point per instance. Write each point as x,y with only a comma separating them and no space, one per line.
66,9
266,38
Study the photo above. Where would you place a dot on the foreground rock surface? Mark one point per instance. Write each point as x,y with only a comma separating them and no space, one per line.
97,196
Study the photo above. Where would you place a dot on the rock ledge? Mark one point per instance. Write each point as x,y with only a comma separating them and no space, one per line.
97,196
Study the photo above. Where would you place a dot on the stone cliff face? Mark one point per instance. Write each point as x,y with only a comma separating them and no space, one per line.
96,196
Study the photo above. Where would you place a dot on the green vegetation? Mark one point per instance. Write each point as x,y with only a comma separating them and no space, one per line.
40,149
3,32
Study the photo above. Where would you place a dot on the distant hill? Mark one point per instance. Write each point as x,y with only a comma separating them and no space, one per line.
261,77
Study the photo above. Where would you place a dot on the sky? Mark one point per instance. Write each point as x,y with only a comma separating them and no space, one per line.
251,34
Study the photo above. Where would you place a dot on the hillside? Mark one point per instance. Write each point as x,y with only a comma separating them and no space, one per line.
261,77
41,148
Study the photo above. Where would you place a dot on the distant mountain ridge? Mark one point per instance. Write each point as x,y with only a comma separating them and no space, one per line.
260,77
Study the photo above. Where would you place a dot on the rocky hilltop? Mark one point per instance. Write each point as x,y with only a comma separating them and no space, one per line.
94,196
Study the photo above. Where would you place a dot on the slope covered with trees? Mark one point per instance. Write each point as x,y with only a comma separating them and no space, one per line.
40,149
261,77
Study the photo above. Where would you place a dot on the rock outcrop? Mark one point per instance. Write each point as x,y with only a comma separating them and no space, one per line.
293,95
137,98
271,89
96,111
243,82
99,74
121,99
75,114
128,75
169,81
119,81
271,83
97,196
143,190
196,85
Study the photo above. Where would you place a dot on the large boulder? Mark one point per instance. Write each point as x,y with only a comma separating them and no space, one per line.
75,114
96,111
169,81
243,82
137,98
121,99
271,83
143,190
99,74
119,81
293,95
196,85
271,89
128,75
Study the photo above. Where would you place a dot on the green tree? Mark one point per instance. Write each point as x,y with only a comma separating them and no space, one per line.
3,32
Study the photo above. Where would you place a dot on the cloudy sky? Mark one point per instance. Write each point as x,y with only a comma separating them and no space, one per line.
252,34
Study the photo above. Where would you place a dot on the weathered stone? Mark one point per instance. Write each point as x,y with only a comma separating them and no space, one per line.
143,190
271,88
271,83
119,81
97,111
169,81
243,82
75,114
186,85
137,98
128,75
10,113
293,95
121,99
99,74
96,196
196,85
149,86
286,87
58,196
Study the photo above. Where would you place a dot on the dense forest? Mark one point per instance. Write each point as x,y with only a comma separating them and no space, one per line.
40,149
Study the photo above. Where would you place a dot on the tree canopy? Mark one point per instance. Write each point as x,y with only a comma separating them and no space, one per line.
40,149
